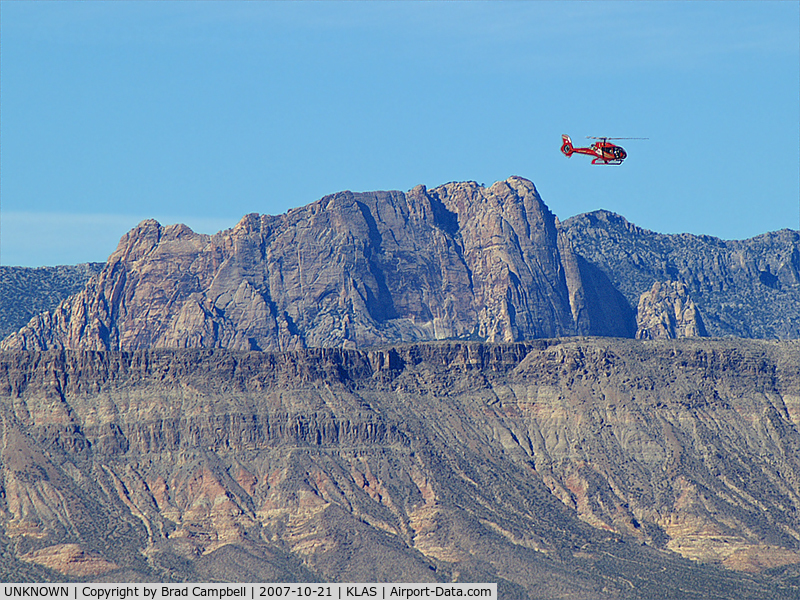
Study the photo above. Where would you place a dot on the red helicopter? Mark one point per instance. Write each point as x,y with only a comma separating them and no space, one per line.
605,152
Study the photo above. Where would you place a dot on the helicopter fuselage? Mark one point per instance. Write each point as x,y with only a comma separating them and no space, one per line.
603,151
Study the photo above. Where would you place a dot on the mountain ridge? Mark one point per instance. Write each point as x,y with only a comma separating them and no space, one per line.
741,288
350,270
560,468
28,291
312,397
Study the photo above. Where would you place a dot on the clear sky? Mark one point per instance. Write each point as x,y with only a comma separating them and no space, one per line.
202,112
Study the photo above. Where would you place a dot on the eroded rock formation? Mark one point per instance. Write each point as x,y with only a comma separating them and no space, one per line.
27,291
742,288
667,311
354,270
351,270
573,469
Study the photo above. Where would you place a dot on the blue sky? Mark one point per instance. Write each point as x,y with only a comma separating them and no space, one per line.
202,112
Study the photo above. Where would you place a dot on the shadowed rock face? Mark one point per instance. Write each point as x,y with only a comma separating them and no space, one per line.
351,270
740,288
584,468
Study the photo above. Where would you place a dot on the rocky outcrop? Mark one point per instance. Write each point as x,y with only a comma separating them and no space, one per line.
351,270
745,288
600,467
26,292
70,560
667,311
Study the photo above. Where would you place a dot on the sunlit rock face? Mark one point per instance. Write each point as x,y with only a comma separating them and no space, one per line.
667,311
461,261
558,468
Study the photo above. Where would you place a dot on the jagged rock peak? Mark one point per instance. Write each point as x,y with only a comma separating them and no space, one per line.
602,220
350,270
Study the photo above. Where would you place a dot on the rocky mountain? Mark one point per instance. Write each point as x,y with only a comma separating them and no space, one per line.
461,261
25,292
585,468
350,270
422,386
747,288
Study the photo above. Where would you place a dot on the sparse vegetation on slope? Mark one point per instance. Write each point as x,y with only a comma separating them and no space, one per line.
26,291
577,468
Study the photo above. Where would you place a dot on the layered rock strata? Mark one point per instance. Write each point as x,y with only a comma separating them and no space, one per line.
579,468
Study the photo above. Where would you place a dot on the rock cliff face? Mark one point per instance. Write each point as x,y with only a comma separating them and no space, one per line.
351,270
747,288
356,270
586,468
145,434
667,311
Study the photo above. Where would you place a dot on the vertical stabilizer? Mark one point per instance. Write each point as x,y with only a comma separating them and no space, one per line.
566,145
